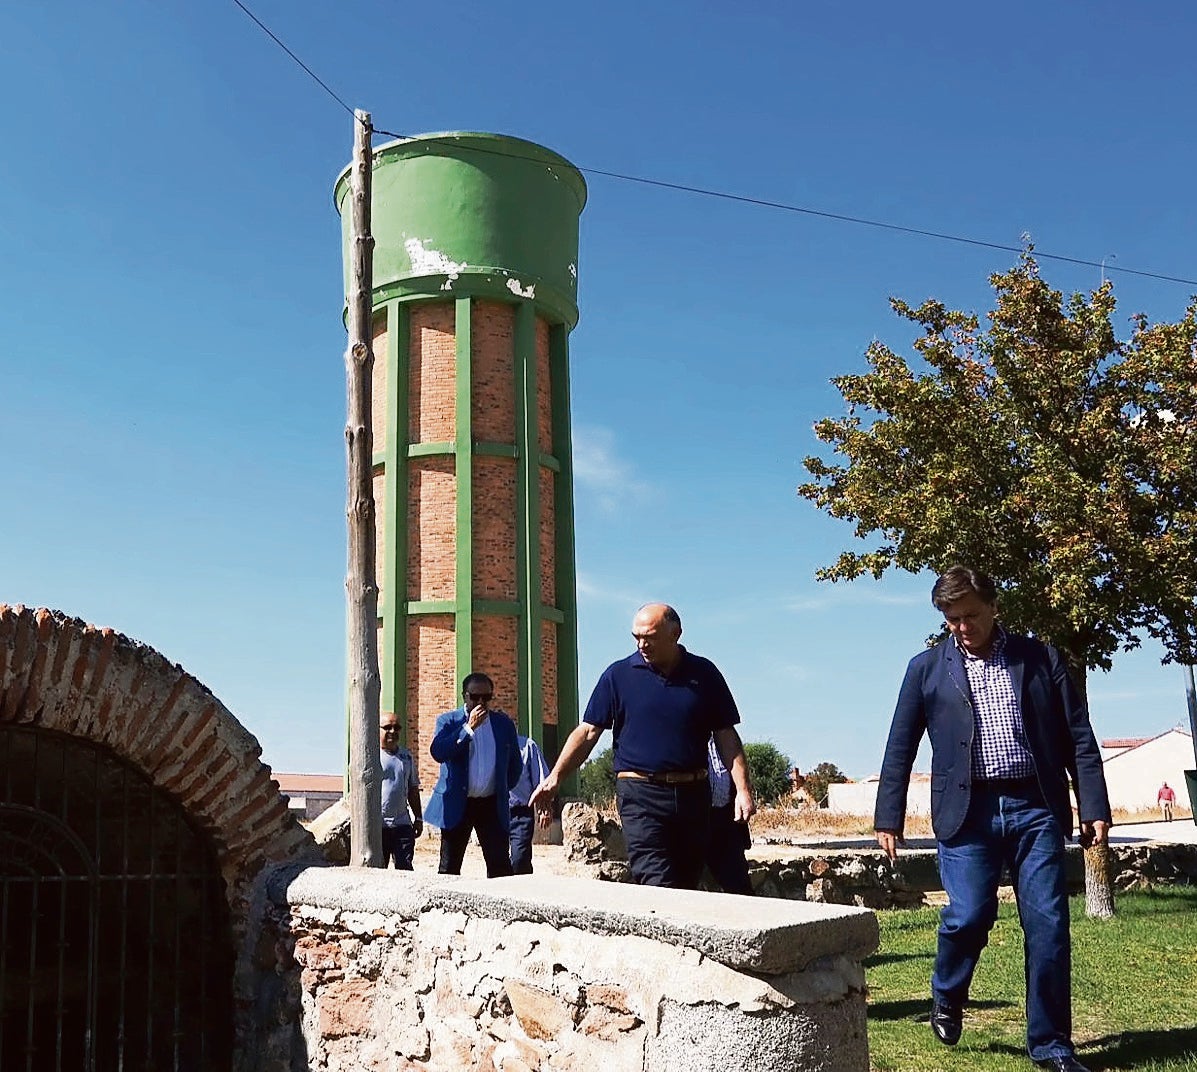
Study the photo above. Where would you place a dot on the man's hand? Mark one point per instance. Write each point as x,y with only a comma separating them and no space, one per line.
477,716
745,806
889,840
541,800
417,826
1095,832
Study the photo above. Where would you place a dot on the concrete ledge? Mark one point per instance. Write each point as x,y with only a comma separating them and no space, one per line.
751,934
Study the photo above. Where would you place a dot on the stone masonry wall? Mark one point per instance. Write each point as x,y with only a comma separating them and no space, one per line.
393,970
862,876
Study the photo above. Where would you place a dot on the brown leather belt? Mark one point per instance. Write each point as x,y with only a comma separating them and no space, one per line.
685,777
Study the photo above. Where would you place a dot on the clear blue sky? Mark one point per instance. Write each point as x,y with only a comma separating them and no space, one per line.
171,374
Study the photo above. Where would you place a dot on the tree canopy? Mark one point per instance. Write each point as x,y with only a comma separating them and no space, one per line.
769,769
820,778
596,779
1039,448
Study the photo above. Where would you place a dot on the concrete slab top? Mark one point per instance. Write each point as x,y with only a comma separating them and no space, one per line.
755,934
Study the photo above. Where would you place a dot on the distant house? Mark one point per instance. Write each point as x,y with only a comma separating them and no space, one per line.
310,794
1136,767
1112,746
860,798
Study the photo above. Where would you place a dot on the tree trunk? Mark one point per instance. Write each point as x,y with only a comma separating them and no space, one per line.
1099,877
361,586
1099,882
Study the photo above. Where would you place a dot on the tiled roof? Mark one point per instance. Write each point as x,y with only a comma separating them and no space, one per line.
297,784
1125,742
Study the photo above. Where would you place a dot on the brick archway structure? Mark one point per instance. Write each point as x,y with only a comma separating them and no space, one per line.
61,674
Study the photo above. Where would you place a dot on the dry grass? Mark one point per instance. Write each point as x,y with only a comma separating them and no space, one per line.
781,822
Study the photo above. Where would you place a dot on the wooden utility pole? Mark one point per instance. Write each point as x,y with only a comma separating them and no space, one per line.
361,586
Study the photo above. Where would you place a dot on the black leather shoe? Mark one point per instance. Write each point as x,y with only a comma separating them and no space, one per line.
946,1021
1063,1064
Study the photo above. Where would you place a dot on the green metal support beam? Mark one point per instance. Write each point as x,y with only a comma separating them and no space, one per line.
464,585
566,577
394,510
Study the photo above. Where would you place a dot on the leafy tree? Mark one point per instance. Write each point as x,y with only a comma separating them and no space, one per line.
596,779
769,769
1038,448
820,778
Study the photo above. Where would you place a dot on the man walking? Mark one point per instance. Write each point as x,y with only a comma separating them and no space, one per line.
1166,799
400,792
480,761
727,839
522,821
1008,731
662,704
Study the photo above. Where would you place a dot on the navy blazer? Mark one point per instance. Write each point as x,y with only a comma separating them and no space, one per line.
935,699
451,749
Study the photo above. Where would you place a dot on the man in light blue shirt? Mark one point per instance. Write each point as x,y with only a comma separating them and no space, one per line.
400,792
522,817
726,838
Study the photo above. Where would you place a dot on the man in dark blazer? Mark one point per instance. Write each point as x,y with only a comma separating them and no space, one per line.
1008,733
480,762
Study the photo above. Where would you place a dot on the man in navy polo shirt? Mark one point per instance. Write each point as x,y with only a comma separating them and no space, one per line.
662,704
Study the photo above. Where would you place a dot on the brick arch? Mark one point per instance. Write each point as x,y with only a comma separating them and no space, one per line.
63,674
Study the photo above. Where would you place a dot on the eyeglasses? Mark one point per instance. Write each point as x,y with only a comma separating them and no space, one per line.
480,697
389,729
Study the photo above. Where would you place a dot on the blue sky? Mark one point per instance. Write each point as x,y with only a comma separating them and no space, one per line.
171,370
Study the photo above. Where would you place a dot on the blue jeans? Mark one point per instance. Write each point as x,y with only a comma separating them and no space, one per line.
523,824
726,842
1009,824
398,844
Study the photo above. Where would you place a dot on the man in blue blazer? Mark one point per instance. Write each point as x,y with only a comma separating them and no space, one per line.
480,762
1008,734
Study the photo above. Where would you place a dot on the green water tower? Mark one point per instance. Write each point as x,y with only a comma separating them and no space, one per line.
475,294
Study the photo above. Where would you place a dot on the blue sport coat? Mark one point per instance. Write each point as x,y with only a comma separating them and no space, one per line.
935,699
451,749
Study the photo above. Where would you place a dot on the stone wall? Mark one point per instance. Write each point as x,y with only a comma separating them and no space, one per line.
368,970
861,874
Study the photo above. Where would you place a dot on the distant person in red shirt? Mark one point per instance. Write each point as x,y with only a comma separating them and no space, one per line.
1165,798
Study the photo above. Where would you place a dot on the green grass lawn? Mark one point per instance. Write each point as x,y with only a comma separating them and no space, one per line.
1134,991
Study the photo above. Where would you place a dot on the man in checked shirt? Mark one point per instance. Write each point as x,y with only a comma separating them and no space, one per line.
1008,731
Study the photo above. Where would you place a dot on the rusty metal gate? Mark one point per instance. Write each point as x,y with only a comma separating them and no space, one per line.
115,946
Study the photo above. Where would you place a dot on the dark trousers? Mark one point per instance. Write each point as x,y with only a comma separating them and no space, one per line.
482,816
522,824
665,827
1011,826
398,844
726,842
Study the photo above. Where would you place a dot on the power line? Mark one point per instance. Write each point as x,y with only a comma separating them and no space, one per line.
743,199
312,74
784,206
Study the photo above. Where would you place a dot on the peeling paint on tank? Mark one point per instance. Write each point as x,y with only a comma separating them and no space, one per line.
426,261
519,291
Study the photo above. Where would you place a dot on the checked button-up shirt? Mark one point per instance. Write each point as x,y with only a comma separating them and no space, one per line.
999,740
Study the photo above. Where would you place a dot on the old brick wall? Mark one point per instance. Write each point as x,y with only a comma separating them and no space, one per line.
431,502
61,674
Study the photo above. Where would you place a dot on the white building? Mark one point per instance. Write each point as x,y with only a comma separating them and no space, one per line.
860,798
308,795
1136,767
